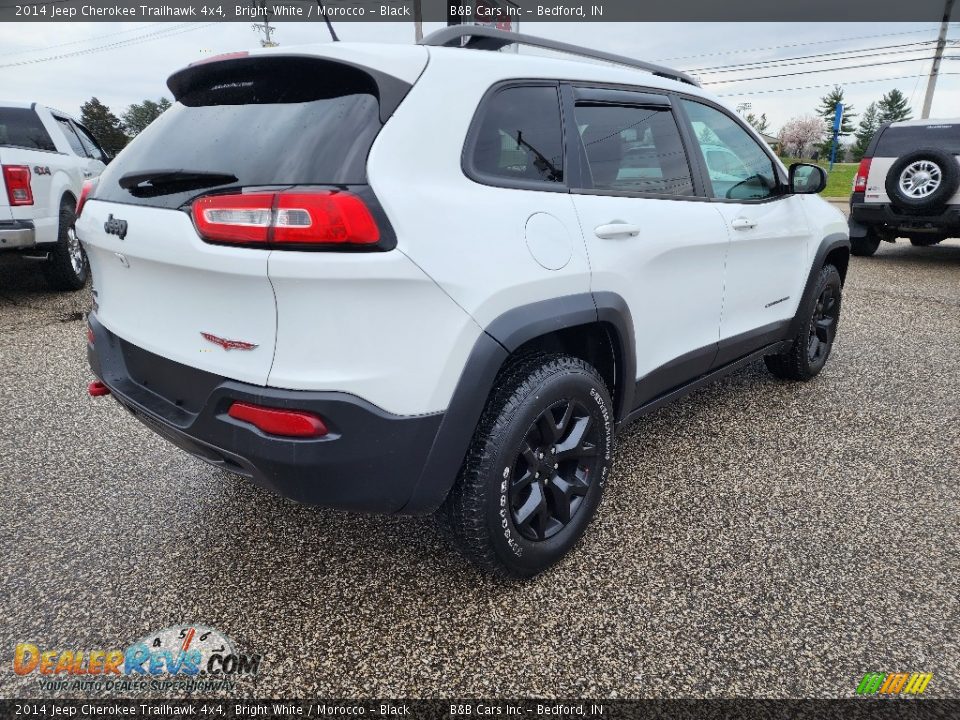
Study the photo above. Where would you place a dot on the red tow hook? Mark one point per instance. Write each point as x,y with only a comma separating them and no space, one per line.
97,389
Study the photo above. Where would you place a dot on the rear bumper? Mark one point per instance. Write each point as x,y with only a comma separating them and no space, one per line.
370,461
17,234
883,215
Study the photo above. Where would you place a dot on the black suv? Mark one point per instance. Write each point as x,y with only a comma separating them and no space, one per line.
908,186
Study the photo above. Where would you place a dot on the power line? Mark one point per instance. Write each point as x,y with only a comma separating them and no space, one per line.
148,37
77,42
801,44
804,59
811,72
814,87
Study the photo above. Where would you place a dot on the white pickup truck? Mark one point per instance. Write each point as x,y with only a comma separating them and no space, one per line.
46,157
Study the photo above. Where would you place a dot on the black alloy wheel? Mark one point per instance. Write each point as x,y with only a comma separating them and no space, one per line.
536,468
558,460
823,327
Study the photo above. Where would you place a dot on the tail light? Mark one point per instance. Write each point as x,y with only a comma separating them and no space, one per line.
863,172
288,423
17,180
85,191
326,217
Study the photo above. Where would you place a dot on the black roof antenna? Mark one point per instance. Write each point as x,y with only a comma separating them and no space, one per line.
333,33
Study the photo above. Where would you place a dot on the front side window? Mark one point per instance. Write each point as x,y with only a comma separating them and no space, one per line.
739,169
520,136
633,149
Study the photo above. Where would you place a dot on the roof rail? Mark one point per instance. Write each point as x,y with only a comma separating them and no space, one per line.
485,38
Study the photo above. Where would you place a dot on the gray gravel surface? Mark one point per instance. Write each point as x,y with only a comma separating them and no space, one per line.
758,538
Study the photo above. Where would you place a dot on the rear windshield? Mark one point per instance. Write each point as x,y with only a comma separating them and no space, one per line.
20,127
897,141
280,123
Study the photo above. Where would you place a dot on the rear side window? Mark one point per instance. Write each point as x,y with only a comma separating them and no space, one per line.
91,146
21,127
288,122
72,138
519,138
634,149
897,141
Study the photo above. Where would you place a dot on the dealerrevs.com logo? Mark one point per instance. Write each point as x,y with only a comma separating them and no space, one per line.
894,683
181,657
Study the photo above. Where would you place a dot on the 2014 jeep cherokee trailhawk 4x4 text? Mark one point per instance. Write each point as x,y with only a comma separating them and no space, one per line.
409,279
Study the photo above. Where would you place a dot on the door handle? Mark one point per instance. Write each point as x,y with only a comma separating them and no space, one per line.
615,230
743,224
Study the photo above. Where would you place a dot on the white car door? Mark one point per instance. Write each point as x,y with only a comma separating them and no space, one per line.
767,226
651,236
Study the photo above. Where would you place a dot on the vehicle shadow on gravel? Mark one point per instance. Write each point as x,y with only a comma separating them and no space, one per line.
947,252
22,283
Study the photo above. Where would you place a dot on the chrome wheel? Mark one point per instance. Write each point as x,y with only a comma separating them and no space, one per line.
75,252
920,179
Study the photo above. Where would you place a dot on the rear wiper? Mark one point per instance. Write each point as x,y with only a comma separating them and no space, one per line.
164,181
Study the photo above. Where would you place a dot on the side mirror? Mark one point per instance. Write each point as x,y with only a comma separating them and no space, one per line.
807,179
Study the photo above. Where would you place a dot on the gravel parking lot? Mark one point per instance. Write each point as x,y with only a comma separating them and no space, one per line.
758,538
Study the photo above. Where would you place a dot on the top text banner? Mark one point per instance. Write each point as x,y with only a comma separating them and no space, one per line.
503,13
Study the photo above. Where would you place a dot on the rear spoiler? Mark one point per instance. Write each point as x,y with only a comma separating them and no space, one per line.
232,68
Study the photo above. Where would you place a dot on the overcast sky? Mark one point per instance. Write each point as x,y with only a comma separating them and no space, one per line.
64,64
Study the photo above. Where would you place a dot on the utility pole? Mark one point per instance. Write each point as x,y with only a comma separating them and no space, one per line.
417,21
938,56
264,27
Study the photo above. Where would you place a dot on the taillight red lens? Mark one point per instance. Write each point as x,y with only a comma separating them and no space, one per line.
17,180
288,423
863,172
326,217
85,191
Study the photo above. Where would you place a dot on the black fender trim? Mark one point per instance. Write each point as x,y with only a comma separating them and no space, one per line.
827,245
503,336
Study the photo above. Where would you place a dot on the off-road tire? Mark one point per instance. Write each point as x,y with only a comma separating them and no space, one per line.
59,268
926,241
865,246
797,362
479,511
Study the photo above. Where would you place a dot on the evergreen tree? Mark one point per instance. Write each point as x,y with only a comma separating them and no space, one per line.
104,125
893,107
869,124
828,110
760,124
139,115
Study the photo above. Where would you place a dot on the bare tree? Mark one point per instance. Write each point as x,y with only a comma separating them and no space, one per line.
800,134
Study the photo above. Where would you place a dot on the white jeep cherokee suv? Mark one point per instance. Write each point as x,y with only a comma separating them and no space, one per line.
45,156
408,278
